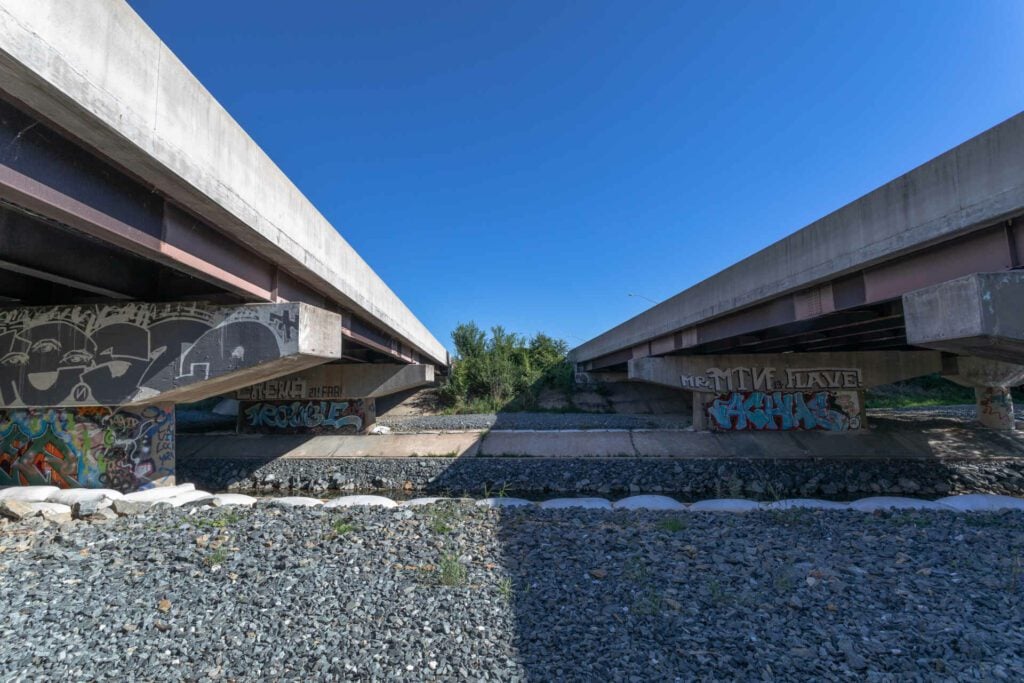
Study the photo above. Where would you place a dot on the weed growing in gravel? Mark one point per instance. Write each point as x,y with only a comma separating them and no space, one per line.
672,524
453,573
773,493
500,493
506,590
227,519
980,519
342,526
217,557
442,519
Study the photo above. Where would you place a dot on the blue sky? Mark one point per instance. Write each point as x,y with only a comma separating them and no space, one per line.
532,164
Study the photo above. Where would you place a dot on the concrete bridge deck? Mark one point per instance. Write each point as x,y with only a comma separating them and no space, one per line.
839,283
152,254
149,190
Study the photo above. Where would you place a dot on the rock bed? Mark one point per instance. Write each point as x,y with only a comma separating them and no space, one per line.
689,479
460,591
531,421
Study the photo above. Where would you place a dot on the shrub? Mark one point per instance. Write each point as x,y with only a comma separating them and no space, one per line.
503,371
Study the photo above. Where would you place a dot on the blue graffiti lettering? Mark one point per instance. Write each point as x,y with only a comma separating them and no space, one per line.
758,410
303,415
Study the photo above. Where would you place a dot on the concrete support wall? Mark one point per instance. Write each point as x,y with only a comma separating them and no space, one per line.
122,449
767,392
337,416
87,392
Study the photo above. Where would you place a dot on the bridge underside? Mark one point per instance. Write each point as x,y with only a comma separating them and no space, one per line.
974,323
116,303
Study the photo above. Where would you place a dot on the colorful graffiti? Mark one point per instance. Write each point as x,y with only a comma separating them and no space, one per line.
115,354
302,417
834,411
122,449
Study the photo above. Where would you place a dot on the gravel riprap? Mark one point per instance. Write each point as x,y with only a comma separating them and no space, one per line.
457,592
684,478
538,421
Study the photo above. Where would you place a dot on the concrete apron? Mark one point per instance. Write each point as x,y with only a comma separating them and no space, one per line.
920,443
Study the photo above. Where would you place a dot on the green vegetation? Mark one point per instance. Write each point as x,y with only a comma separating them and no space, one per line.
503,372
225,520
342,527
672,525
442,518
217,557
931,390
452,571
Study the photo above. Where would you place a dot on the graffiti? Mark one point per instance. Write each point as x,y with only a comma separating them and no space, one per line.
282,388
93,447
723,380
303,417
116,354
995,407
759,410
294,388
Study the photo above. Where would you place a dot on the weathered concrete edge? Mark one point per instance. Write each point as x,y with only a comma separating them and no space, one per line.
97,71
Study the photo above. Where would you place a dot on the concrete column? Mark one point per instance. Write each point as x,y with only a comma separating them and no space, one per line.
700,410
995,407
991,381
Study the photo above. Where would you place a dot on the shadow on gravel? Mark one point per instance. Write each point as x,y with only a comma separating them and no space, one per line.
773,595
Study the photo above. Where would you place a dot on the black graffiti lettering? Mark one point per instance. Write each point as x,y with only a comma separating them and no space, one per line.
104,355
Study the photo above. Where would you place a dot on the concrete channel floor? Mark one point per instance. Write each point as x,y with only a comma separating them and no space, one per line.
889,437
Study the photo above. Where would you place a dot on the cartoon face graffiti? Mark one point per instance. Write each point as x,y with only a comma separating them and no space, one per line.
102,355
45,362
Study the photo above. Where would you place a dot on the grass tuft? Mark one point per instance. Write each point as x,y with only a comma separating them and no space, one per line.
453,573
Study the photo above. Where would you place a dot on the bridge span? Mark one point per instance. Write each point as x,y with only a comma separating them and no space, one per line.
151,254
922,275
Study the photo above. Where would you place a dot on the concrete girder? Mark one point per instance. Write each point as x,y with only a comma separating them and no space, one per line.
971,371
141,354
976,315
793,371
341,381
97,72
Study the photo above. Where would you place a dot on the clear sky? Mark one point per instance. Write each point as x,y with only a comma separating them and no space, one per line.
532,164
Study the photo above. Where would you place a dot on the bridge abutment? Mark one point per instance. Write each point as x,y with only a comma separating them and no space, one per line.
87,391
328,398
781,392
